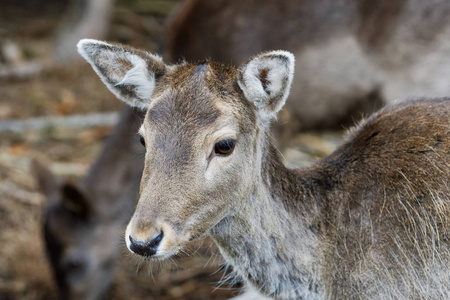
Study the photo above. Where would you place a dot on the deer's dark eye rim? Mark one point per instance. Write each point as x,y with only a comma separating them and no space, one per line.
141,139
224,147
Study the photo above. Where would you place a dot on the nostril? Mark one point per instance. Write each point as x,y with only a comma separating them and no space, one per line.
156,240
147,248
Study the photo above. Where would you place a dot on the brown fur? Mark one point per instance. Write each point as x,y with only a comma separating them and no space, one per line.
367,222
351,54
351,210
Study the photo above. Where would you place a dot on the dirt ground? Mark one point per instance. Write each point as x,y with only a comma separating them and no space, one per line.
75,89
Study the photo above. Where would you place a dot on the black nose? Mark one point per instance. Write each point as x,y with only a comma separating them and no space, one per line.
147,248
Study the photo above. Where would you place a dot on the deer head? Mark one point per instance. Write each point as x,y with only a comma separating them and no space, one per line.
75,234
202,132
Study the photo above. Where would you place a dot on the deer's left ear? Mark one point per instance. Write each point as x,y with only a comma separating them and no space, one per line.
128,73
266,80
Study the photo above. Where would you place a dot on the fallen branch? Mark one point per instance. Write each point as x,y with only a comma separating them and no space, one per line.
73,121
23,70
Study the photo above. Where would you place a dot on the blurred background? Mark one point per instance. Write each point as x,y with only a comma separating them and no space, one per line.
352,58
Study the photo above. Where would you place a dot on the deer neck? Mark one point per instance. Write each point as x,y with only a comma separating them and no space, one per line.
117,168
271,240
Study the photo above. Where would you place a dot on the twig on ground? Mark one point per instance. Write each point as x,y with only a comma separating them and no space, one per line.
73,121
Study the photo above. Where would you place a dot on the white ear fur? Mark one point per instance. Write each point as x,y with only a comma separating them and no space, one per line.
266,80
129,74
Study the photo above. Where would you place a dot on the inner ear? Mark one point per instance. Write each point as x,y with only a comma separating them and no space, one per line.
264,81
76,201
129,73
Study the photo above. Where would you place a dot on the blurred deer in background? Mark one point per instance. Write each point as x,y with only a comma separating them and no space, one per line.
352,55
83,222
370,221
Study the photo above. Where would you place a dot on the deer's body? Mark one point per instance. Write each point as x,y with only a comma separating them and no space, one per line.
367,222
351,55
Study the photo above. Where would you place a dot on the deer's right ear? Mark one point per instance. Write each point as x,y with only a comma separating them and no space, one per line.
128,73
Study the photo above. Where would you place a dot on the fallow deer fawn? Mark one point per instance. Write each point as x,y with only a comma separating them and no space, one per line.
371,221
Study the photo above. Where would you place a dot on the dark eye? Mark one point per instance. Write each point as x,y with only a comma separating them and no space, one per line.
75,265
224,147
141,139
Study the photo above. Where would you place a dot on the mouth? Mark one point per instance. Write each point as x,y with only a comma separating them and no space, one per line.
160,255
